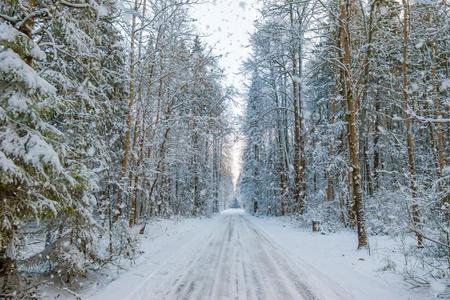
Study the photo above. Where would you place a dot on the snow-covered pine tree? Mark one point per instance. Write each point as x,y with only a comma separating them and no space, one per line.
84,73
89,74
36,183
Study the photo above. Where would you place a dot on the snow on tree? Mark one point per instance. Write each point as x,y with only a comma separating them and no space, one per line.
36,181
373,119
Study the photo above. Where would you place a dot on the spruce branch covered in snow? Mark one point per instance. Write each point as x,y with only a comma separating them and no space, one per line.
35,184
117,113
106,122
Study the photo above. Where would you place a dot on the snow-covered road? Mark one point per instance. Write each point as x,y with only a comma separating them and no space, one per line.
231,260
229,256
234,261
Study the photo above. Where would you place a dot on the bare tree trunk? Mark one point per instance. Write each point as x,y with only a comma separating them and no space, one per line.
282,172
368,175
195,176
216,171
440,149
133,176
330,187
127,137
298,168
437,113
346,203
415,215
285,123
447,74
367,171
160,165
376,150
352,117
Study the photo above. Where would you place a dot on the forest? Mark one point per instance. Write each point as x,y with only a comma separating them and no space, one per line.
347,122
116,114
108,118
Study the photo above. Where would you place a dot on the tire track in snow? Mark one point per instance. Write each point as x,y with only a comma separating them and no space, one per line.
333,289
234,259
184,252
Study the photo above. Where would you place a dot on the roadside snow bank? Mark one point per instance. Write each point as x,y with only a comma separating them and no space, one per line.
334,257
161,241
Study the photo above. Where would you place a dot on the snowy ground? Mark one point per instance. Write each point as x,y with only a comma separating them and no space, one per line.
332,260
237,256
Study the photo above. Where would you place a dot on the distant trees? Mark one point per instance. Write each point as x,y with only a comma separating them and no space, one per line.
176,113
102,129
368,83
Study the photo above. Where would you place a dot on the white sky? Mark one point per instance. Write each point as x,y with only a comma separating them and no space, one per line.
226,25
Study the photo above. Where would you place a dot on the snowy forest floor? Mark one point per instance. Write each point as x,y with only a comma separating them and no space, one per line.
237,256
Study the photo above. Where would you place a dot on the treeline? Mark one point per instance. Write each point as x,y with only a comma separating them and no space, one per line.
111,113
347,121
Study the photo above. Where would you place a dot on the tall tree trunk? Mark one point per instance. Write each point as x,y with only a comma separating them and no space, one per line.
329,174
376,150
131,98
415,215
132,174
134,178
365,105
437,113
281,165
195,174
298,167
352,117
216,171
440,149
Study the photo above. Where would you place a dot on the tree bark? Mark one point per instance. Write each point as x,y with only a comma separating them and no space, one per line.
437,114
127,137
352,117
329,175
298,166
415,214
